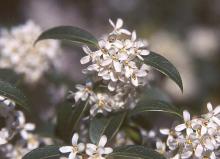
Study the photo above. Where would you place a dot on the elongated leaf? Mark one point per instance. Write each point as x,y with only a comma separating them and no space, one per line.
11,92
134,152
68,119
155,105
164,66
64,113
108,126
69,33
47,152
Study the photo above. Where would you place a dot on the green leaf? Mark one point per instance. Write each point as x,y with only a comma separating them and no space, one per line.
69,33
156,106
68,119
134,152
9,76
47,152
11,92
108,126
164,66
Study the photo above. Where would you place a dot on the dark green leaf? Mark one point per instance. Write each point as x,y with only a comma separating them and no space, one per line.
69,33
108,126
163,65
9,76
155,105
11,92
68,119
47,152
134,152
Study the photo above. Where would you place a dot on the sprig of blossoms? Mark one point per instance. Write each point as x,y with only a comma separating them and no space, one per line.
195,138
118,65
119,57
18,53
91,151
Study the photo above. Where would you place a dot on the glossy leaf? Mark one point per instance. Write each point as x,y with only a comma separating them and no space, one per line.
47,152
134,152
69,33
108,126
164,66
11,92
155,106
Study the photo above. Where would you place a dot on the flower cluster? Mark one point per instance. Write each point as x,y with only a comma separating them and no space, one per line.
118,66
119,58
195,138
16,137
103,102
17,51
80,150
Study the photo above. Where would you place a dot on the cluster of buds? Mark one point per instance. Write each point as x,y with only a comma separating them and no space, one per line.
17,51
91,151
195,138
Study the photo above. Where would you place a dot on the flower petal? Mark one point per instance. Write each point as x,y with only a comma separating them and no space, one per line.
102,141
66,149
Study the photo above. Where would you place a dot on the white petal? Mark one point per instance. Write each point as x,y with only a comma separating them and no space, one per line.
113,76
78,95
165,131
209,107
66,149
186,115
180,127
118,44
189,131
86,49
117,66
85,59
102,141
29,126
199,150
72,155
125,31
145,52
108,150
119,23
106,62
75,138
81,147
111,86
215,119
24,134
217,110
111,22
134,81
133,36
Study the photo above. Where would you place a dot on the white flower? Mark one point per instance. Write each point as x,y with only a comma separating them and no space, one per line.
118,59
102,104
186,125
18,53
24,127
97,151
74,149
118,27
212,114
83,92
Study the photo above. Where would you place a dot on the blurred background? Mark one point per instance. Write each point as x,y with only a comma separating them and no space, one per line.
185,32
